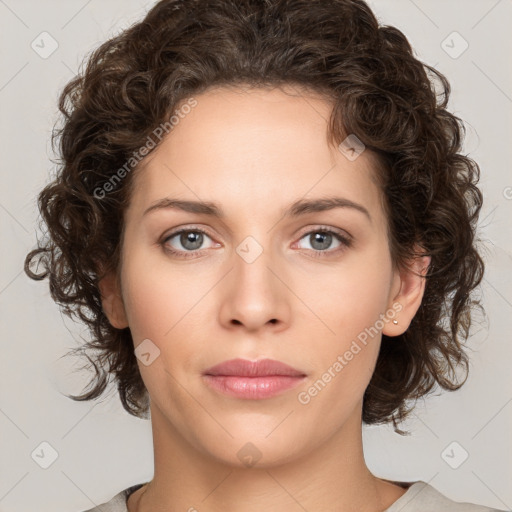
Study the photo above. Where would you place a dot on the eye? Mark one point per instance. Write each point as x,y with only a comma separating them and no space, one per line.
321,239
190,240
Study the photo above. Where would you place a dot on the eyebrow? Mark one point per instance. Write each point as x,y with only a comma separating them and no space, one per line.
296,209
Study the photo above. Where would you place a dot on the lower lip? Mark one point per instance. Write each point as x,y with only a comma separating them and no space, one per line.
252,388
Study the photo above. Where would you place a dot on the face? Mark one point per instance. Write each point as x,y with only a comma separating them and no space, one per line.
312,287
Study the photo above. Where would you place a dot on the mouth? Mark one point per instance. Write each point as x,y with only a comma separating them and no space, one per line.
250,380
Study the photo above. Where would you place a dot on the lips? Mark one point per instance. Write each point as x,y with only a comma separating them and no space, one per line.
252,380
246,368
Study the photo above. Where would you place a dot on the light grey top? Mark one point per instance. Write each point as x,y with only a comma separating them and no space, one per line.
419,497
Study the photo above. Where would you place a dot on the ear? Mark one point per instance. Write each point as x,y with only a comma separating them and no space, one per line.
406,294
112,301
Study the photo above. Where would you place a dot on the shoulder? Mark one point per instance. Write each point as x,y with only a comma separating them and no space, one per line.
117,503
422,497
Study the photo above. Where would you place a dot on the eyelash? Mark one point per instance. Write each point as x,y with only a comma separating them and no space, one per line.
345,241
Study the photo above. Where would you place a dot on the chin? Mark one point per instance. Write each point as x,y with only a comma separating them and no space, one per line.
251,449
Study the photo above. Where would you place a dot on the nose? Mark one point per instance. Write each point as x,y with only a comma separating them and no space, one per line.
254,293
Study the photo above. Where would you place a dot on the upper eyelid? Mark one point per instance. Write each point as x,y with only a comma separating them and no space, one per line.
321,227
179,230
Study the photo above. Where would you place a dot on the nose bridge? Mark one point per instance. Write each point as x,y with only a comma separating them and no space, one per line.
252,261
256,296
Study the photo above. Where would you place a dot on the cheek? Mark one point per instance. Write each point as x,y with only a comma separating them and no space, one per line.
166,305
344,354
348,306
159,309
368,286
153,300
345,301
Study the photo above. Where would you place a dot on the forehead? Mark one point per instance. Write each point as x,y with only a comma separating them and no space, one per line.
254,148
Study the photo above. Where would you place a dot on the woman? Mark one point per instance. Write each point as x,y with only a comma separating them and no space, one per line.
263,217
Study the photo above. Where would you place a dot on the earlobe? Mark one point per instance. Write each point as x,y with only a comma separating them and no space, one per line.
409,296
112,301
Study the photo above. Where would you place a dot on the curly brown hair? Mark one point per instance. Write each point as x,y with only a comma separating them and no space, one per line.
379,91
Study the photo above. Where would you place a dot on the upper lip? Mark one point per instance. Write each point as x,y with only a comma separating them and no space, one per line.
260,368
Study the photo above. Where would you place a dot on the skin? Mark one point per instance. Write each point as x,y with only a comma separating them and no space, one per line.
254,152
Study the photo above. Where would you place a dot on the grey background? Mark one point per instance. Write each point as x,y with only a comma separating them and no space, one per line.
100,448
